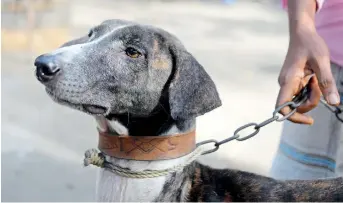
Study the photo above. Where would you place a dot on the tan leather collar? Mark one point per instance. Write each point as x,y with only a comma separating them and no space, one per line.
147,148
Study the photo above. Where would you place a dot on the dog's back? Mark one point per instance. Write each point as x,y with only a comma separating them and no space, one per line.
205,184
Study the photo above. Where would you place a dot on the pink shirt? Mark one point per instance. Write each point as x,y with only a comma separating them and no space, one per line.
329,23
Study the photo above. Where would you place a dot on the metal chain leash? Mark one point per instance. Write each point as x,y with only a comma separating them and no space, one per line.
294,104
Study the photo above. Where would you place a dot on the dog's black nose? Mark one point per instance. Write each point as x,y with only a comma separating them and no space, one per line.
46,68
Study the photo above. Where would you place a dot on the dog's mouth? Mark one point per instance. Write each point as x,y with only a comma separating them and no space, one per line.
87,108
94,109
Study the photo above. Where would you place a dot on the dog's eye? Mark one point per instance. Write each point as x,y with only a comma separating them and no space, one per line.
90,34
133,53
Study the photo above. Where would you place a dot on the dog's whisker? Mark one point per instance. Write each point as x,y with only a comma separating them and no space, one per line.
159,103
128,118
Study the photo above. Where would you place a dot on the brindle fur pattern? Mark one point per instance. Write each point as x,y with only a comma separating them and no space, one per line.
200,183
161,92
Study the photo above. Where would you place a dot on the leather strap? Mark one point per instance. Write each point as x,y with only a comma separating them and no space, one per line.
147,148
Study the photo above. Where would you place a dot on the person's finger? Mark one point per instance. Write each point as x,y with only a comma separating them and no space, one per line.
314,96
286,93
301,119
326,81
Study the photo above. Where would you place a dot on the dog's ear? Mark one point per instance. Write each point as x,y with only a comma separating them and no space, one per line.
191,92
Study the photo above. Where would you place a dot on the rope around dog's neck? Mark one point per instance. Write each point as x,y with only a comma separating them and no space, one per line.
92,156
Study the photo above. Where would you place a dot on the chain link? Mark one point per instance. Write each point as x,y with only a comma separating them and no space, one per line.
297,101
336,110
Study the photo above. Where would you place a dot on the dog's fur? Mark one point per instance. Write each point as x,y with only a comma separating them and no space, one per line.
159,92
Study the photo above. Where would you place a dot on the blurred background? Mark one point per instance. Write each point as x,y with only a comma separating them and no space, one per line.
240,43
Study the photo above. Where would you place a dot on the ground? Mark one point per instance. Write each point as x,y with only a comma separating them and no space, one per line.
242,46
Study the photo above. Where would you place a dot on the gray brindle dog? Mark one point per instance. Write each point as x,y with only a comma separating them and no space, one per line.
141,80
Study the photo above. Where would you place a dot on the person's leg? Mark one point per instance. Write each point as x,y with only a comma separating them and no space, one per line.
339,169
309,152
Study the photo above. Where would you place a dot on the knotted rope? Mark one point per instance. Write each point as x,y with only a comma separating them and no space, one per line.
96,158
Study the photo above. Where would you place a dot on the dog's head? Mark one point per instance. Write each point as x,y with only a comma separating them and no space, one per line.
121,67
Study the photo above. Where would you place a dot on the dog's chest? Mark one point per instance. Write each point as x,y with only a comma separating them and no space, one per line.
114,188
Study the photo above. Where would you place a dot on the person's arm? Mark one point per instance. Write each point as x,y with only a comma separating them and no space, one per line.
319,4
307,54
301,14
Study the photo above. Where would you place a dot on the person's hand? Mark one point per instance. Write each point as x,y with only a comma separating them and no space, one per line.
307,54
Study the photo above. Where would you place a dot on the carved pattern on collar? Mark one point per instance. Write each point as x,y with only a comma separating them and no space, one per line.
147,148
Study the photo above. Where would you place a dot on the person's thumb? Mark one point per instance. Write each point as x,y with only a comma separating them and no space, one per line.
326,81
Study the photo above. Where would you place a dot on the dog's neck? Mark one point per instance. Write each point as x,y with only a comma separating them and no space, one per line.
114,188
156,124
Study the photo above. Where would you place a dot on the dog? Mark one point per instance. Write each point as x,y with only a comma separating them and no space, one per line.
140,80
